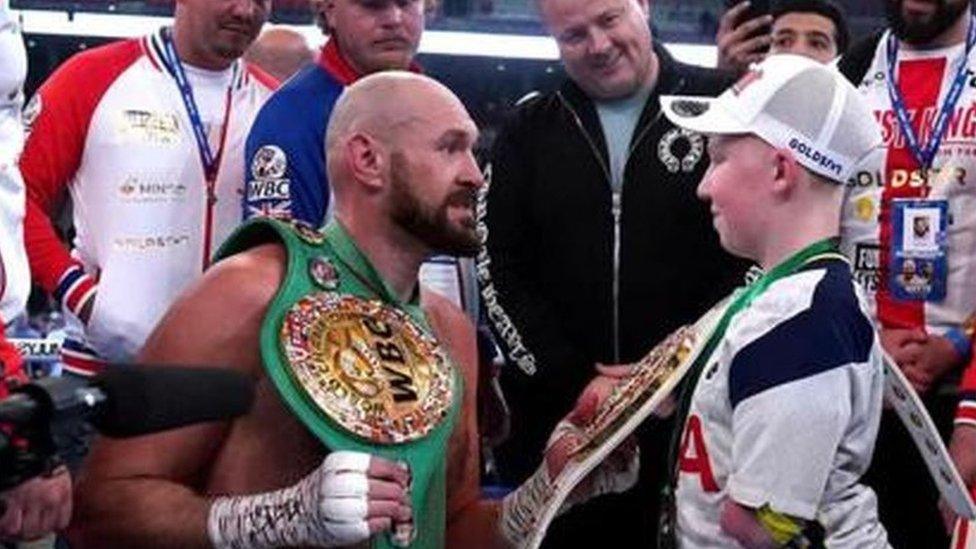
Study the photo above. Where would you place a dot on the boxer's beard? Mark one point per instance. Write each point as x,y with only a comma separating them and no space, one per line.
923,31
430,224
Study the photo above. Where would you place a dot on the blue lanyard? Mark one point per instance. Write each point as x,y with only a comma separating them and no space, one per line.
207,157
925,154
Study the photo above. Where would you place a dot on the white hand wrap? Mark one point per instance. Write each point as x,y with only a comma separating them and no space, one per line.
522,509
615,475
327,508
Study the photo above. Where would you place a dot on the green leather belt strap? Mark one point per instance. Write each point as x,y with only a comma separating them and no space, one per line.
350,274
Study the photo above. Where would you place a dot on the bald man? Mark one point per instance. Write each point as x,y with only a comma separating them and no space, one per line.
280,52
364,423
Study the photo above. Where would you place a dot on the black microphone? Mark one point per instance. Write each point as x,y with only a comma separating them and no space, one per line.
133,400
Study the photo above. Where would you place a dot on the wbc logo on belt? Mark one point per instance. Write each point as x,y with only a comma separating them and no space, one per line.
368,366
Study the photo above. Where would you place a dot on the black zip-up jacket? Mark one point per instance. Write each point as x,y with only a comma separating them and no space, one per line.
574,273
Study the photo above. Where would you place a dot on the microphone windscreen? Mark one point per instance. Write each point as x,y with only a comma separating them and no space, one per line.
143,399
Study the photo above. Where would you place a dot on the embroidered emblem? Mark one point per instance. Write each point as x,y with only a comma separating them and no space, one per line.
679,141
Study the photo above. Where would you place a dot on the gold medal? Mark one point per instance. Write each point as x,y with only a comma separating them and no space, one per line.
368,366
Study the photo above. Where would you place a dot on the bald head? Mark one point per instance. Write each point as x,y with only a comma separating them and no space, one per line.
385,107
280,52
401,165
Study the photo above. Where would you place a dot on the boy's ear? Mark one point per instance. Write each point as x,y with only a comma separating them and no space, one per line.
787,172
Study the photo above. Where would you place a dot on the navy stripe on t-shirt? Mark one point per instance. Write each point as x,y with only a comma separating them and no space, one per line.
833,332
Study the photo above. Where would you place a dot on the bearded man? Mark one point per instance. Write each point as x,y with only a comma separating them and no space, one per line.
364,426
917,77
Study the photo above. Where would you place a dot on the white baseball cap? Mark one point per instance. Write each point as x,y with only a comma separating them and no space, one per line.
791,102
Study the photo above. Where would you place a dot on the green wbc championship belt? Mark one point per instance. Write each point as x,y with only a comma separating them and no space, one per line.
360,369
367,367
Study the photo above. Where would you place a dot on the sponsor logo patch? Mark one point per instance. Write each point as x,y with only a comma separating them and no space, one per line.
155,128
864,208
867,258
38,349
815,156
151,188
151,243
681,150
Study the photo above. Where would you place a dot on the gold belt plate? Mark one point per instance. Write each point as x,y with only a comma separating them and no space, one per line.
368,366
649,375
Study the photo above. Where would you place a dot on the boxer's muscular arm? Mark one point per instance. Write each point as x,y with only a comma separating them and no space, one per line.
141,492
471,521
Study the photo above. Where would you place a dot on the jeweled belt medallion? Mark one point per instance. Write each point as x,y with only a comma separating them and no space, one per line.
368,366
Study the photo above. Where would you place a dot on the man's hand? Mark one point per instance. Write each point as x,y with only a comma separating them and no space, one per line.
521,509
348,499
962,448
36,508
737,48
617,473
904,345
924,358
607,377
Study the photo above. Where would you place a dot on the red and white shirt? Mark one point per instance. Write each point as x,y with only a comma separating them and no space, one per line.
111,128
924,78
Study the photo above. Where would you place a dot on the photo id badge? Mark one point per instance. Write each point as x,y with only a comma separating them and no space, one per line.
918,260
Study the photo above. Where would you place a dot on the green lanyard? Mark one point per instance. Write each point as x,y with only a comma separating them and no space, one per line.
818,251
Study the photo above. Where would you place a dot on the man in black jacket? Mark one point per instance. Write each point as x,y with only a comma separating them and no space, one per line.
595,244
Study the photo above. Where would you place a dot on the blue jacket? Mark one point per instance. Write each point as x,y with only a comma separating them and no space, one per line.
285,156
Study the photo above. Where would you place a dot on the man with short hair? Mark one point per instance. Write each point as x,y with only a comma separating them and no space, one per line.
595,246
813,28
916,75
146,137
354,363
285,163
794,347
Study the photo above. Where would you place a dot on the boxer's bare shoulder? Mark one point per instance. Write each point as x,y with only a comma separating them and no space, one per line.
265,449
234,294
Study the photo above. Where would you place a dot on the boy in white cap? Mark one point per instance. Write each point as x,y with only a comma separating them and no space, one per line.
779,421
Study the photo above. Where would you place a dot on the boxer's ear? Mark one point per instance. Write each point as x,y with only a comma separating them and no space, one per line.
366,160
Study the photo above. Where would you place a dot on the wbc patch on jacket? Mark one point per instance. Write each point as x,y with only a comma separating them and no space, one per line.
268,181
